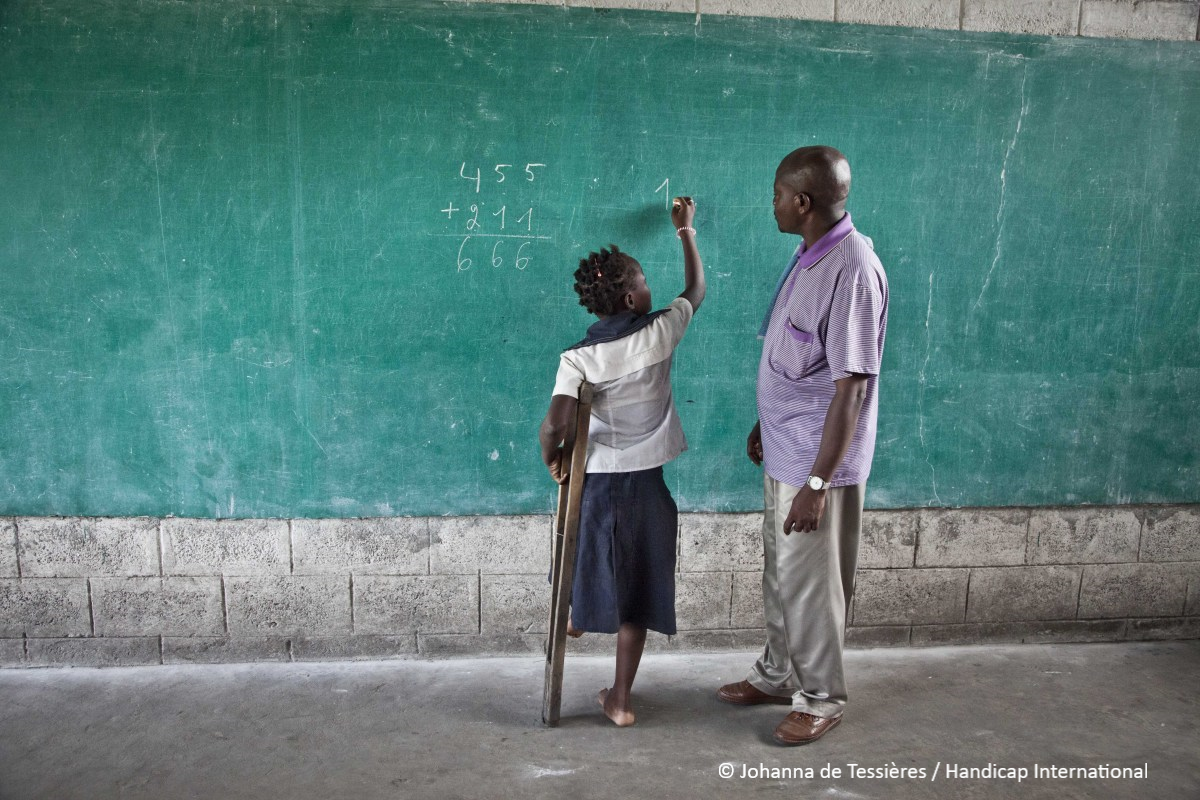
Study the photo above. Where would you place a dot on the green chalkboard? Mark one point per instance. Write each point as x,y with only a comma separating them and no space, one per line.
283,260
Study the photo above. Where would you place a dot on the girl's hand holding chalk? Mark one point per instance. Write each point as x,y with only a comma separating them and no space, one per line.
683,210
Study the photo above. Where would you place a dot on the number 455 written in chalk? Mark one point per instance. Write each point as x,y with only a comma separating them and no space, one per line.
500,171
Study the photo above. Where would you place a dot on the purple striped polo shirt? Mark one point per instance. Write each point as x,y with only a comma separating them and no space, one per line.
827,322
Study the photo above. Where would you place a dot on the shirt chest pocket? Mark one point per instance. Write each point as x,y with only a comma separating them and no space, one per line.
797,353
799,334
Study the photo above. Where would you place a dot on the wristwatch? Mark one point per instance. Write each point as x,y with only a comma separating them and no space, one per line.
817,484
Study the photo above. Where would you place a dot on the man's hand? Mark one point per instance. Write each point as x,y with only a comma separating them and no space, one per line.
559,468
754,445
807,509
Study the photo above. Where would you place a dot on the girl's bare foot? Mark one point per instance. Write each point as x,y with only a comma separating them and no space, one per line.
621,717
572,631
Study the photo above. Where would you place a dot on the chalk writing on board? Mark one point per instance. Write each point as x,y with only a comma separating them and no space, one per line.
666,184
496,227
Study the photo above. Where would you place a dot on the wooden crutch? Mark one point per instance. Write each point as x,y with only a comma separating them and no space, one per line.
562,571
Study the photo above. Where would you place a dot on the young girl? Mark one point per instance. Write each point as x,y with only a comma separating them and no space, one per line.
625,559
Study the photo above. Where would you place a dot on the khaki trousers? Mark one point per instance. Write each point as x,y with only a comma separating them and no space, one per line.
808,580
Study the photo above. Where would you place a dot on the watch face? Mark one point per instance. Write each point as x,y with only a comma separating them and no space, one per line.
815,483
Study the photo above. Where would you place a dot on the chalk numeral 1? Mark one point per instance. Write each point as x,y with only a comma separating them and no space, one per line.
665,185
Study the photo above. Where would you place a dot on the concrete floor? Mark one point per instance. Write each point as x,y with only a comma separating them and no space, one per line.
471,728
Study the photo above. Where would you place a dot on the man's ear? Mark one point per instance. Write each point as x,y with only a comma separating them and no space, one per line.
803,202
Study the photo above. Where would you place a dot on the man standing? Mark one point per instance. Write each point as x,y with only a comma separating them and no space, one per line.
817,409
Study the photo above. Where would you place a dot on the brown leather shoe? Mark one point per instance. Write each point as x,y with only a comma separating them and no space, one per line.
801,728
744,693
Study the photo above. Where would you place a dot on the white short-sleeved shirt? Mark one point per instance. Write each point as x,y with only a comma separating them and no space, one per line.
634,424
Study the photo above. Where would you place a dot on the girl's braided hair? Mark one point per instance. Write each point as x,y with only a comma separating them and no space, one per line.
603,279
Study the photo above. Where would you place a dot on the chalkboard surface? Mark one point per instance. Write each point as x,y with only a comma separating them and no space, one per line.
281,260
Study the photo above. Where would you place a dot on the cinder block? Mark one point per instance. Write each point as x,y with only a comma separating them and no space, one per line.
908,13
8,549
522,2
1172,533
353,648
685,6
423,603
495,545
105,652
158,607
1022,632
514,604
1083,536
878,636
388,546
594,644
780,9
1161,629
702,600
224,650
661,643
981,537
311,605
685,641
730,641
1049,17
909,596
74,547
1140,19
889,539
747,611
44,607
1190,570
1132,590
226,547
720,542
927,635
1014,594
440,645
12,652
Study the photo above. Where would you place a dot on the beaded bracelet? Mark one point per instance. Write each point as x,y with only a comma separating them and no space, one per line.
688,228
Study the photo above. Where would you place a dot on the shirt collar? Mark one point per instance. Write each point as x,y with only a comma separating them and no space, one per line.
615,327
611,326
808,256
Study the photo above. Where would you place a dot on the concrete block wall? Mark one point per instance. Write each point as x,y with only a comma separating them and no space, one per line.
1119,19
96,592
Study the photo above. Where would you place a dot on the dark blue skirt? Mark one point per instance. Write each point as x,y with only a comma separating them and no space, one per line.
625,558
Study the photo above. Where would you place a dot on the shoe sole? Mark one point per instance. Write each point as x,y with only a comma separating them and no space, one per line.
836,721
